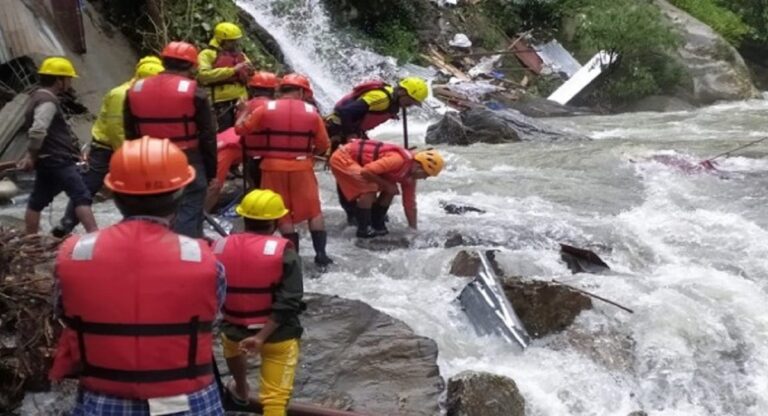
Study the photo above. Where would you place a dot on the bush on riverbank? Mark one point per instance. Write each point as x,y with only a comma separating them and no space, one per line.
150,24
724,21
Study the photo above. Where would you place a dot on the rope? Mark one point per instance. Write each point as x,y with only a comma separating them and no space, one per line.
735,149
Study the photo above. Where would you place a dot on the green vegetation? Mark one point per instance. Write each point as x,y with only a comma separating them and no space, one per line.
634,31
153,23
724,21
754,13
393,27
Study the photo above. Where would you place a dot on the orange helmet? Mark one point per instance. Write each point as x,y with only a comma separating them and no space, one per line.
296,80
263,79
148,166
182,51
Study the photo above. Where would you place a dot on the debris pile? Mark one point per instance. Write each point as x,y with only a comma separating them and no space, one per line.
28,331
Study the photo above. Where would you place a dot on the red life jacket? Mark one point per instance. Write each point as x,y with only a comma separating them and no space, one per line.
372,118
164,107
254,265
142,301
367,151
287,130
230,59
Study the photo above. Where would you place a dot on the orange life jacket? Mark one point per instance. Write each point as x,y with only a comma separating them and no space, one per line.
287,130
164,107
254,265
141,301
367,151
372,118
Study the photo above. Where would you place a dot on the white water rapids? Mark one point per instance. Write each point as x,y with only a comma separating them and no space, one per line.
689,252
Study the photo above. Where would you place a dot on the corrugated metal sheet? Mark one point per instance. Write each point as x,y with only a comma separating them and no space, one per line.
528,56
23,33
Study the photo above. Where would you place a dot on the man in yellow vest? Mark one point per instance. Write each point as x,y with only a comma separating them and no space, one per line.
225,69
108,135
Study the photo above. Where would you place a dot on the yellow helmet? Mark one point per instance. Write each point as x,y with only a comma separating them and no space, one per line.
227,31
148,66
58,66
262,204
149,59
416,88
430,161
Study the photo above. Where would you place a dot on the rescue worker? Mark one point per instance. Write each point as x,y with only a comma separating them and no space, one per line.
225,69
261,88
53,150
368,171
286,134
371,104
138,300
108,135
261,312
170,105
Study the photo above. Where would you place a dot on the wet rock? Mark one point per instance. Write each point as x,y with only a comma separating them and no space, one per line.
459,209
480,125
466,264
580,260
606,346
482,394
638,413
659,103
715,69
544,308
354,357
456,239
369,356
385,243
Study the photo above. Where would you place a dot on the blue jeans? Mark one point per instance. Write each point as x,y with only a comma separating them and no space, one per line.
189,216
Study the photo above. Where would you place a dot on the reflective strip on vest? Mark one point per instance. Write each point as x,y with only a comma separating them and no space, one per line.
83,249
183,86
190,249
139,85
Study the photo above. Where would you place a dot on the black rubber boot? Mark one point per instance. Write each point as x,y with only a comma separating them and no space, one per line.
294,238
379,219
350,207
364,229
319,240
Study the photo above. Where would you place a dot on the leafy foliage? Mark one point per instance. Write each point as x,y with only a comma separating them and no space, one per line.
633,30
754,13
724,21
153,23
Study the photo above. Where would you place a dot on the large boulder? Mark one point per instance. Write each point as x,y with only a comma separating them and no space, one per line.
481,394
544,308
354,357
481,125
715,69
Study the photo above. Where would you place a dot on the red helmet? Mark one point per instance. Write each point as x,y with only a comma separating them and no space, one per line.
263,79
182,51
148,166
296,80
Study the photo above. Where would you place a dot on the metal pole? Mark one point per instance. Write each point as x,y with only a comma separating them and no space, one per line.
405,128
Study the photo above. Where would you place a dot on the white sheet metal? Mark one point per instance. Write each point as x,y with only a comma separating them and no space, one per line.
583,77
